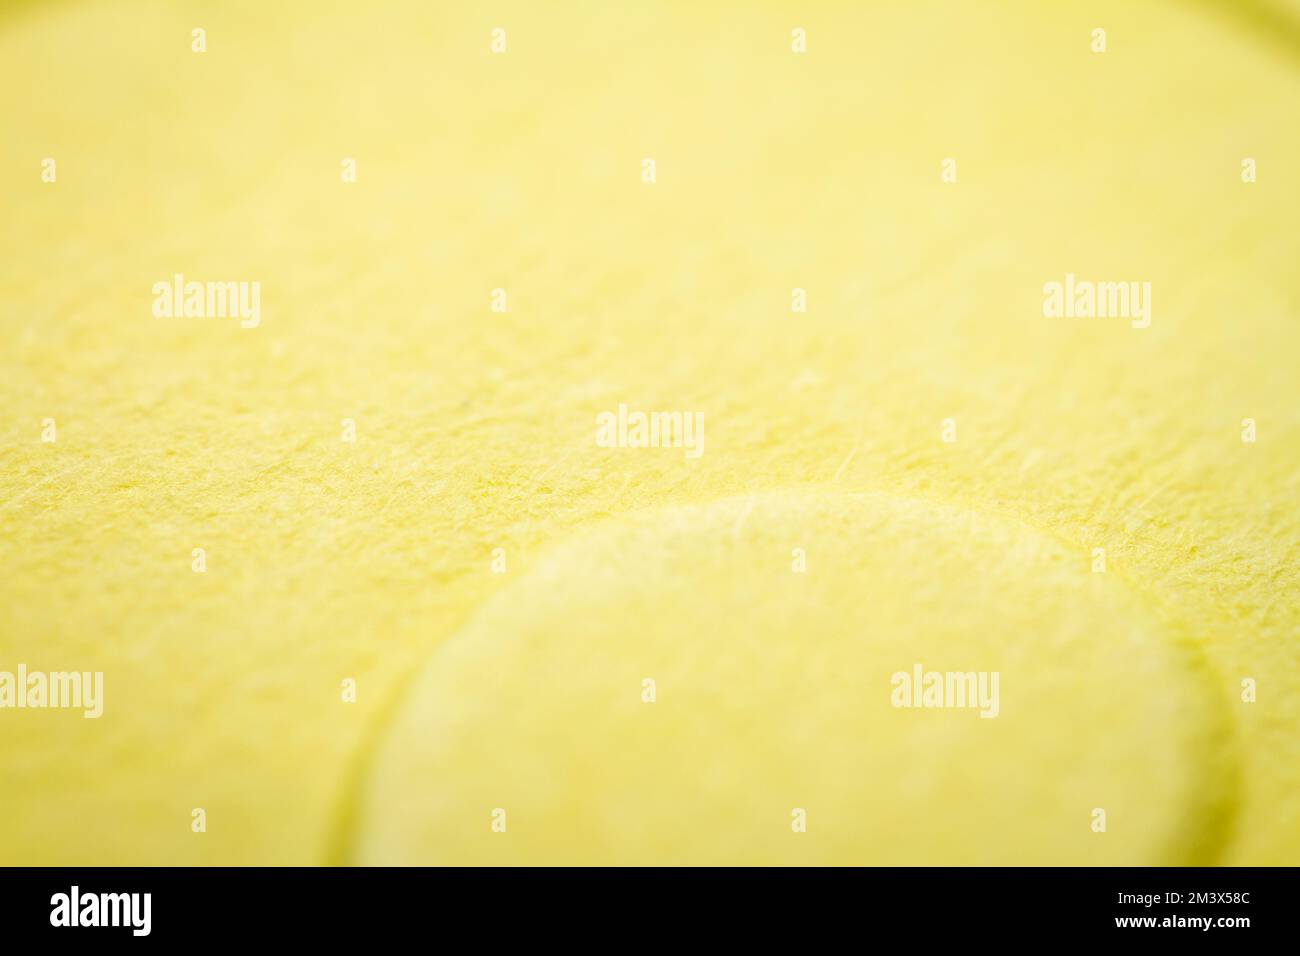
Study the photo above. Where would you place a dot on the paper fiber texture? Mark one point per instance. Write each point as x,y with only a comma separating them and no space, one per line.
609,433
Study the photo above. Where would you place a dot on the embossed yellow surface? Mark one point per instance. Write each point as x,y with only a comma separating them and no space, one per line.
371,560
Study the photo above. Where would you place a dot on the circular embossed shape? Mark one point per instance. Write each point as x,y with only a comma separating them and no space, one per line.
775,692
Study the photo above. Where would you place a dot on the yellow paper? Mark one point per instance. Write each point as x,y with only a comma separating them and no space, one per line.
497,585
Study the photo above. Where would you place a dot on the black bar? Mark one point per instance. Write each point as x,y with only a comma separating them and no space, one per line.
976,906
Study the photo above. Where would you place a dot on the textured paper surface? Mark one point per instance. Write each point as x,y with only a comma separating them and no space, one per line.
371,561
